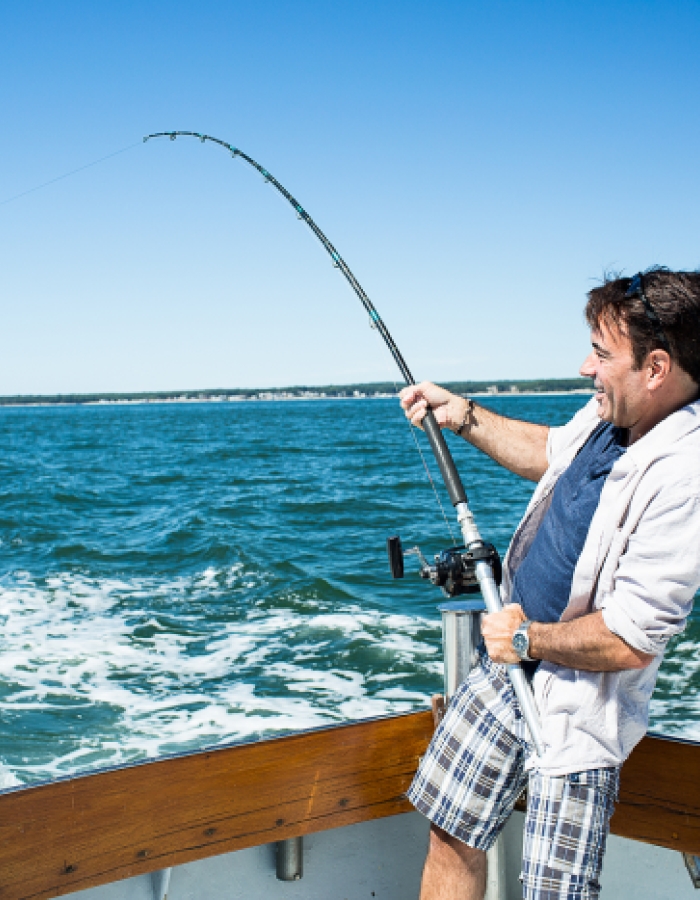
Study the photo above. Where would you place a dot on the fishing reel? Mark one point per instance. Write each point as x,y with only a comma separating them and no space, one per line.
454,570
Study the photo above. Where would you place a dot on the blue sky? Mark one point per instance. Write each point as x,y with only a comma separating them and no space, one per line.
478,165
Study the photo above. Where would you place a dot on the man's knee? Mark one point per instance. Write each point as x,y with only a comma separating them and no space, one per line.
448,850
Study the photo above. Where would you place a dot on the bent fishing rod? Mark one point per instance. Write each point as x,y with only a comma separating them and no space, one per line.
459,569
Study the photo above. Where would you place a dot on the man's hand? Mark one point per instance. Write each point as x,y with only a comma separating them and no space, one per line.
449,409
498,630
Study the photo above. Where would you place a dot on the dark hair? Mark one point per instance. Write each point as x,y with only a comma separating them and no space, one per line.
675,298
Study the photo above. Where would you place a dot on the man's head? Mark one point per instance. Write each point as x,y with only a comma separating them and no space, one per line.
646,346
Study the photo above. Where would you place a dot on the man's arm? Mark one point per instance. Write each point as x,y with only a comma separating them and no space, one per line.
519,446
584,643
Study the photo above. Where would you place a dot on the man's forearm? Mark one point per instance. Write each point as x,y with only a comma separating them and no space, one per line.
585,643
519,446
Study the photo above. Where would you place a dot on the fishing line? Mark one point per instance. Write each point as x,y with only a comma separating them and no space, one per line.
413,429
68,174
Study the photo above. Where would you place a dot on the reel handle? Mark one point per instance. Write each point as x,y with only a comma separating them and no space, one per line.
395,553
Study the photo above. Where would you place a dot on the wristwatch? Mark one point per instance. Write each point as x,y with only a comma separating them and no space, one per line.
521,642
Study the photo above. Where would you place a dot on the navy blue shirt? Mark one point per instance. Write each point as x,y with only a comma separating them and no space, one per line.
542,582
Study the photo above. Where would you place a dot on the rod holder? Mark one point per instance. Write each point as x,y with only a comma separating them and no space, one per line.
290,859
461,634
160,884
692,864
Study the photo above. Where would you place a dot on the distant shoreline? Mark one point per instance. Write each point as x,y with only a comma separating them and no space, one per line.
373,391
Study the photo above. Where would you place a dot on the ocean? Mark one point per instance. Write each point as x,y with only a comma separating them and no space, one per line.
176,576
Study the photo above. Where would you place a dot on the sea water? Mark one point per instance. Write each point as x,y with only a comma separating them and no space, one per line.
174,576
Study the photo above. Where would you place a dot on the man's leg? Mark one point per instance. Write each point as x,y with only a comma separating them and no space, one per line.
566,827
467,783
453,870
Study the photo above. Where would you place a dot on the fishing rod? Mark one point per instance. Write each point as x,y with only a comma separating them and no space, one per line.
458,570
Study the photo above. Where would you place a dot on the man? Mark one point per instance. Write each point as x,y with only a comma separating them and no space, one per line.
600,573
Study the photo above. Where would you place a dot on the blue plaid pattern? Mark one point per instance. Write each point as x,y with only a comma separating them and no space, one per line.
566,827
474,771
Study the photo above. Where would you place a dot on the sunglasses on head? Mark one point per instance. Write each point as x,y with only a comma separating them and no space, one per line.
636,289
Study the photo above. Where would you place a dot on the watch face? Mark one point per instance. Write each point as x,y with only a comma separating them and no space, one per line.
521,643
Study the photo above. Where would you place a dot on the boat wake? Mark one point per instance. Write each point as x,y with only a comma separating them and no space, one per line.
104,672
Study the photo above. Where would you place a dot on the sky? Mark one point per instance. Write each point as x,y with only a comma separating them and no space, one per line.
479,166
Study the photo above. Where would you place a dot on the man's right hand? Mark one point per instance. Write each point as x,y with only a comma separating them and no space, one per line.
449,409
519,446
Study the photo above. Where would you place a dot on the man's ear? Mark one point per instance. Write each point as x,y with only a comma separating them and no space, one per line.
659,367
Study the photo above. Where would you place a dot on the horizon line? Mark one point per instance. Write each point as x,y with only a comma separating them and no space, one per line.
488,386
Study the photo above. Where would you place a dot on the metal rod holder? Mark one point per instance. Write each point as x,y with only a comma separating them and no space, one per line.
160,884
692,864
461,634
290,859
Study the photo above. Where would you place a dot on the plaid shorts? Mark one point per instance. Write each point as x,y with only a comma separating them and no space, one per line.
474,771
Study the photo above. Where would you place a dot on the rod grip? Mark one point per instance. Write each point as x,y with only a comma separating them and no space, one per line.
448,470
521,686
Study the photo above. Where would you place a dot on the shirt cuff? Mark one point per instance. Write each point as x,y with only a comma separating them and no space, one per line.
620,623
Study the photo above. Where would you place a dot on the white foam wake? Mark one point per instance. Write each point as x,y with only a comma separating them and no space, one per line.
116,670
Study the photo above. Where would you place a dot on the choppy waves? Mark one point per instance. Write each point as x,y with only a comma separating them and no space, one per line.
675,706
102,672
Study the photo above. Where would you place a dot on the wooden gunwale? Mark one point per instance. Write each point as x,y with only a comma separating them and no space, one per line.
93,829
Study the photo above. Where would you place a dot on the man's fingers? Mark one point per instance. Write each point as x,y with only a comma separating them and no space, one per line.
409,395
418,398
497,630
417,412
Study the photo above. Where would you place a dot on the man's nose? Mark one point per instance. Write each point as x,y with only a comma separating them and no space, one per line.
588,368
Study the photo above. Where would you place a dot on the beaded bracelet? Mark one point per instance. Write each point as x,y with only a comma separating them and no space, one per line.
467,415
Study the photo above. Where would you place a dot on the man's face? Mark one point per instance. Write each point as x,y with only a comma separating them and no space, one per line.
621,390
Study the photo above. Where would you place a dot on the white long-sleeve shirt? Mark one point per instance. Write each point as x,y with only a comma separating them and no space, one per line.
640,565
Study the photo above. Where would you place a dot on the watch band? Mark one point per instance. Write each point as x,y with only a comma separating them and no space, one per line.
521,641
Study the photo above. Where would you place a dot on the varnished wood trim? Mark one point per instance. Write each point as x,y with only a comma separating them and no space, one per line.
70,835
660,795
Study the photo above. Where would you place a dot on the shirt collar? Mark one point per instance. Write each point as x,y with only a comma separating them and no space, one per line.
667,432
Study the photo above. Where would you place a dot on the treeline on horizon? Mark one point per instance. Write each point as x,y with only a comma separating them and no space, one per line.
373,389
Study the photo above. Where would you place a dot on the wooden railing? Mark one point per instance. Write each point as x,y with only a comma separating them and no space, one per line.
89,830
660,795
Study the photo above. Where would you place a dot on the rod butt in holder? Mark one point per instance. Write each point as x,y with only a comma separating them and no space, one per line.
290,859
461,634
